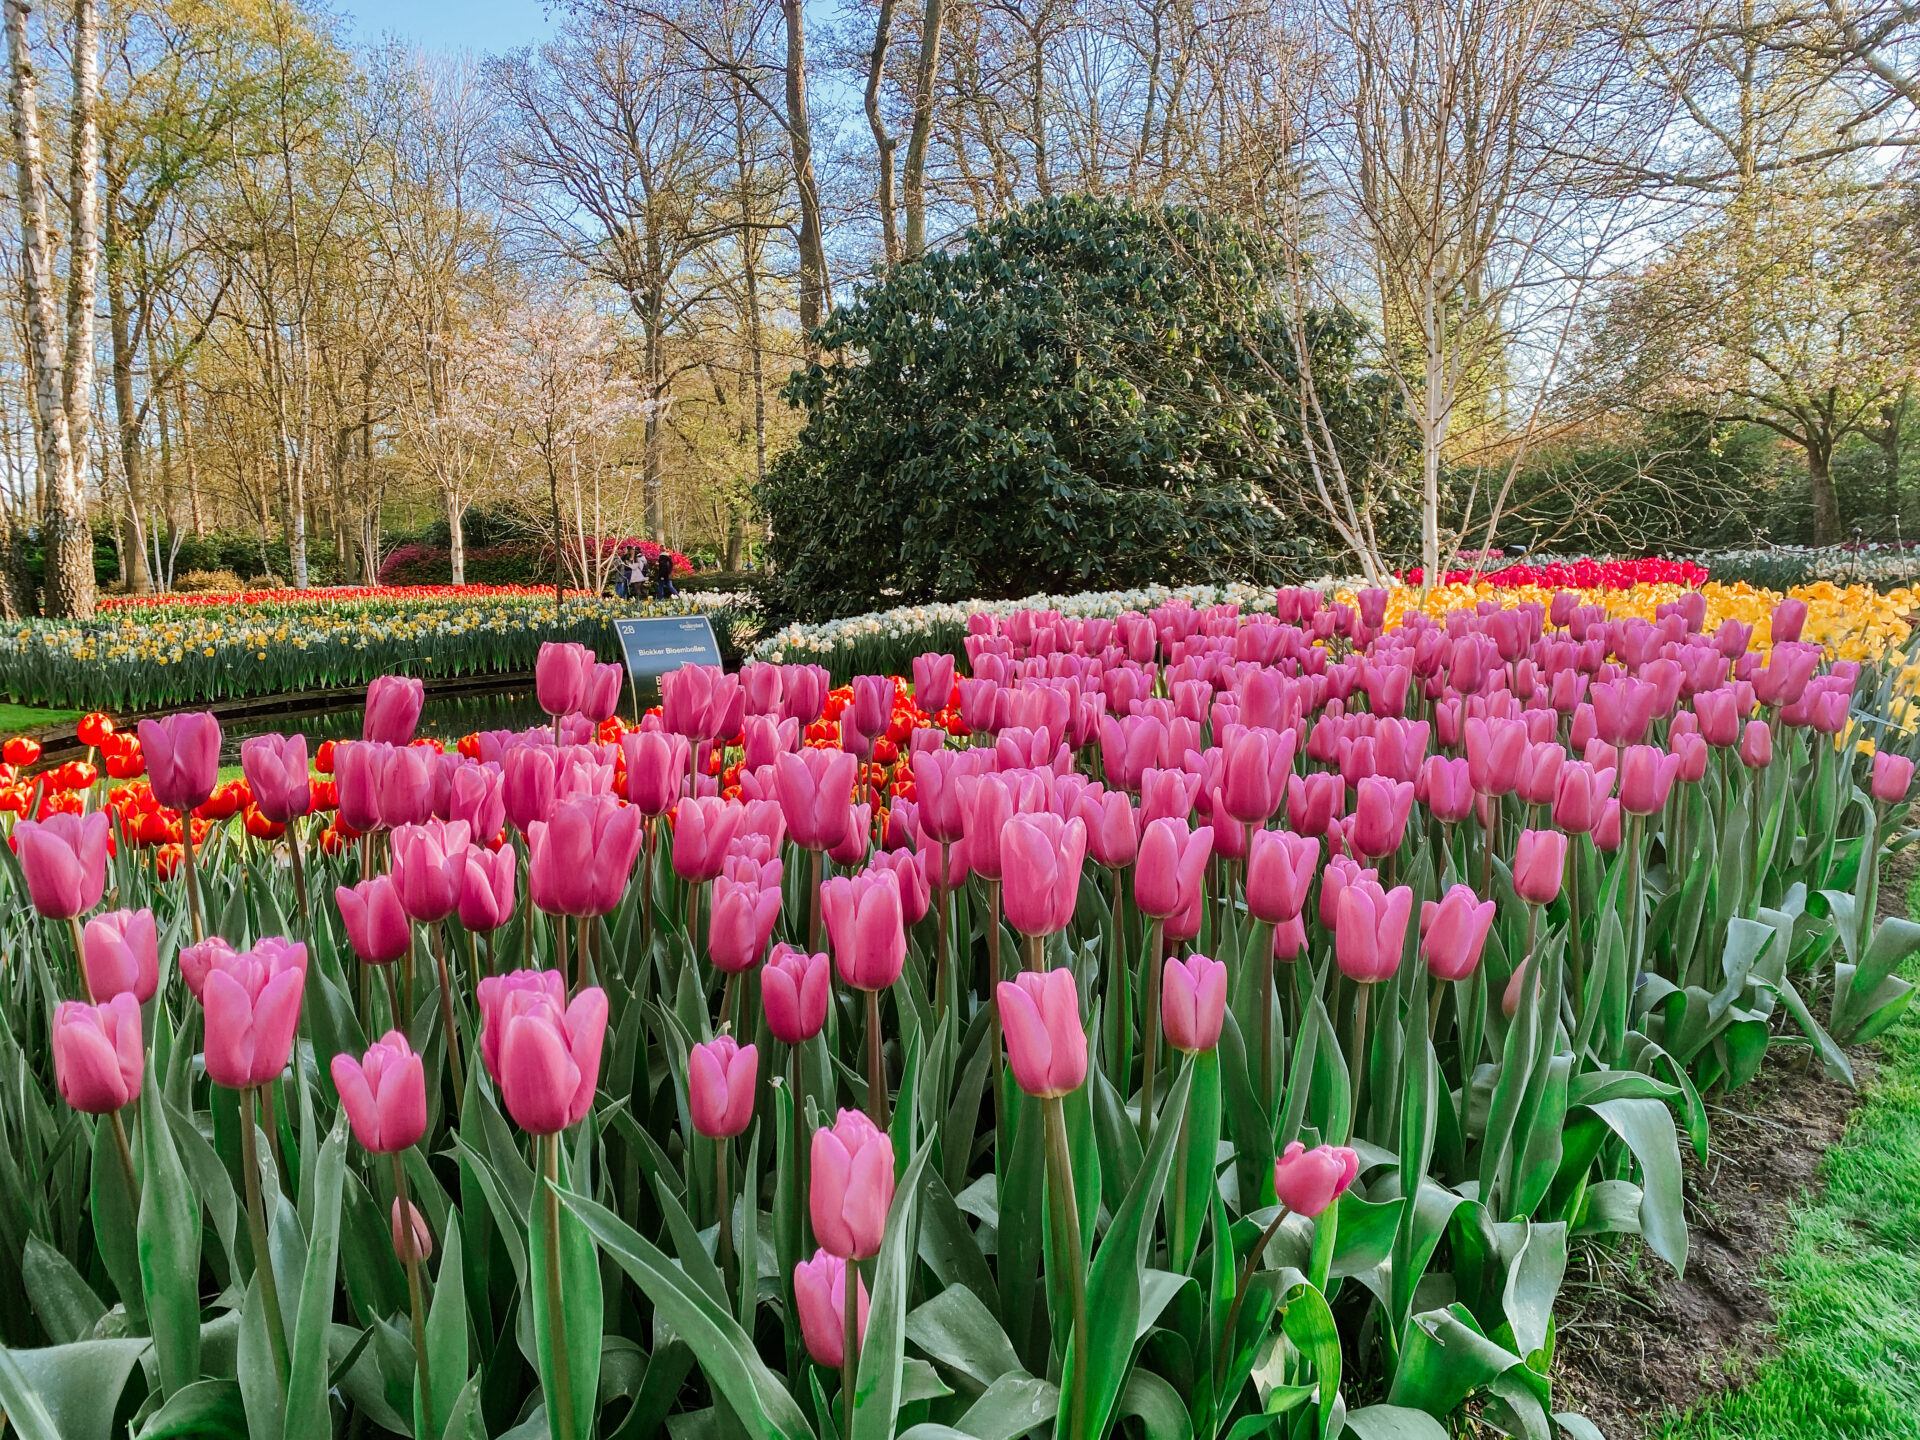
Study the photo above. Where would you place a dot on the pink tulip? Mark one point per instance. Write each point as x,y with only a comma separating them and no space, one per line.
600,695
1315,801
1193,1002
195,961
1892,777
392,711
486,888
1495,749
543,1053
1308,1181
1380,814
1453,932
1580,796
578,863
720,1080
1129,747
793,991
376,921
1756,746
429,868
560,676
1539,859
1255,767
405,785
356,777
1173,860
1646,779
815,788
98,1055
252,1005
1540,772
851,1188
183,758
121,953
529,775
656,764
1041,855
384,1094
1046,1046
1606,830
803,692
476,795
1341,872
1280,872
1113,837
1170,794
820,1295
1789,618
936,776
1691,751
1370,930
865,925
64,860
1448,786
853,846
276,771
412,1236
743,914
910,869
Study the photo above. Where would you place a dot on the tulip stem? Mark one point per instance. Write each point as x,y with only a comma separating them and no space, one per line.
850,1345
720,1148
193,878
257,1232
1359,1076
560,1403
438,941
876,1064
1267,1002
1119,1002
646,879
1435,999
393,998
80,958
299,870
813,923
581,961
993,1007
473,958
1247,1268
1150,1031
940,916
801,1159
1067,1216
416,1296
126,1160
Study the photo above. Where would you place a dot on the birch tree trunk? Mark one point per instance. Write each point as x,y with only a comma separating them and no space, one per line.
914,181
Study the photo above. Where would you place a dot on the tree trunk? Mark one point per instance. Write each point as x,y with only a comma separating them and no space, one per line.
883,143
816,291
456,538
1826,502
923,99
1892,417
133,454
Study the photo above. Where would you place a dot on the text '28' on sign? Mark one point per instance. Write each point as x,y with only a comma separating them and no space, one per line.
654,646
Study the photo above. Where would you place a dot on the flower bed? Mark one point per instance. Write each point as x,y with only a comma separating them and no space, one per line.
1310,912
180,651
1881,565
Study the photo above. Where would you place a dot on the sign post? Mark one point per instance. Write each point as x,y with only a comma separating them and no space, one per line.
652,646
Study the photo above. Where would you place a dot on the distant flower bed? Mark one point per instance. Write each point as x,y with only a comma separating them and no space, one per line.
185,650
334,596
1881,565
1581,574
511,561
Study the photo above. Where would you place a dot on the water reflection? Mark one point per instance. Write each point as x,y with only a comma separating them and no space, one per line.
445,719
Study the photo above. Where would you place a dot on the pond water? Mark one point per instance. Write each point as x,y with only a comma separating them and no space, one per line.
445,719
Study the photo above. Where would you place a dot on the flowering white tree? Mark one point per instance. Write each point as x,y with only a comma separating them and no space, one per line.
565,416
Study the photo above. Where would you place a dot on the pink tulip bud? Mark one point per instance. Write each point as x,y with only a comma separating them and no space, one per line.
64,860
183,758
1540,772
1580,796
932,681
815,788
1380,816
429,868
197,959
1173,860
743,913
1255,766
1308,1181
1448,786
1046,1046
1041,856
98,1055
1171,794
1341,872
1789,618
600,695
1113,837
1756,746
542,1052
578,862
1892,777
376,922
852,847
1495,749
851,1188
392,711
560,676
1193,1002
793,991
1280,872
384,1094
820,1295
1646,778
412,1236
529,775
1370,930
476,796
1691,751
656,764
252,1002
910,869
720,1081
276,771
1453,932
1539,859
866,926
121,953
487,888
404,784
1315,801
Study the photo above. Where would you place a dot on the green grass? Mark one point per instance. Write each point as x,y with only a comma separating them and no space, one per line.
1847,1288
15,718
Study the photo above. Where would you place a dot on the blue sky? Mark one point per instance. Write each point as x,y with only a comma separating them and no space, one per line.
488,26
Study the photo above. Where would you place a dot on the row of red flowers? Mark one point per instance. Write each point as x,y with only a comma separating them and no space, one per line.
1577,574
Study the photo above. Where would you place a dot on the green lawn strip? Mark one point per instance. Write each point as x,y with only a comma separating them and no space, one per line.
16,718
1847,1287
